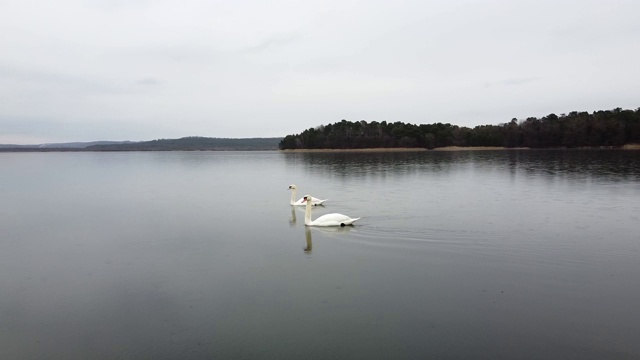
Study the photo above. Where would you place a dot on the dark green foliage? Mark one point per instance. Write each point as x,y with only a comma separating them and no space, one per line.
612,128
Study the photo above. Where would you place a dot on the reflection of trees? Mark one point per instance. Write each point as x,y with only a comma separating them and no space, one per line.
371,163
608,163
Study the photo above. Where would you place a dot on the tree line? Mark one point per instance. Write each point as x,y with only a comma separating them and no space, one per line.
609,128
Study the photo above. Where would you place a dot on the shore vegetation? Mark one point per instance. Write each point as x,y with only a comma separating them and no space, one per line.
610,129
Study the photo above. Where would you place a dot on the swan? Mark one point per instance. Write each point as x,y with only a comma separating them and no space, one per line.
334,219
314,201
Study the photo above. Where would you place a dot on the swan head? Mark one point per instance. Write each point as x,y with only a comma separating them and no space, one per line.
292,187
305,198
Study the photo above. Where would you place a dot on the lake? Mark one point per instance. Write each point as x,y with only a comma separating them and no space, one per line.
198,255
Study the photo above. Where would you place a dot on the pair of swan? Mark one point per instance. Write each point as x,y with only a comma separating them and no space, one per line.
333,219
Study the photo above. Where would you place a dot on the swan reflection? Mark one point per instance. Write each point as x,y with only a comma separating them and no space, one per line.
294,209
292,221
307,234
329,231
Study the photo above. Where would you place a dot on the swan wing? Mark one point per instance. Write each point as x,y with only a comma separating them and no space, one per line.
314,201
351,221
334,219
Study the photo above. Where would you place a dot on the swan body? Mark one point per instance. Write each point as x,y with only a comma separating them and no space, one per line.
300,202
334,219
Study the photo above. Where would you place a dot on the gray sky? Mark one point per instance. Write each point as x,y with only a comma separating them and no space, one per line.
83,70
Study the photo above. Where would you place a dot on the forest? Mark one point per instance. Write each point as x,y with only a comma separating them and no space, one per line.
609,128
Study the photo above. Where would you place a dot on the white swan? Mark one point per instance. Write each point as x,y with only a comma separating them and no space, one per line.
334,219
314,201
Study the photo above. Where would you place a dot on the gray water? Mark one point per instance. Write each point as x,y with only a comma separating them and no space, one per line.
198,255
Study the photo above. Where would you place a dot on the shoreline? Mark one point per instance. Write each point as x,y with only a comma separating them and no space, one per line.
461,148
446,148
635,146
357,150
482,148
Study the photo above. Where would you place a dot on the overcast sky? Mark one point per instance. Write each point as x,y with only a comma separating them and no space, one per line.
84,70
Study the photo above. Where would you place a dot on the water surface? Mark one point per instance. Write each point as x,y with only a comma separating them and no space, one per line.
197,255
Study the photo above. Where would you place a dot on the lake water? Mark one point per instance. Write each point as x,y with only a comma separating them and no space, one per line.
198,255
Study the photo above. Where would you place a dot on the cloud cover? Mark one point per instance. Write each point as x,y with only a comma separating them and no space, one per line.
83,70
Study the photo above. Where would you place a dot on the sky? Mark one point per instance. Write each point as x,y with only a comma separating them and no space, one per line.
87,70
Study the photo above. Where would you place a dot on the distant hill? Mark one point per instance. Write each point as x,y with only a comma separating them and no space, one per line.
70,146
192,143
82,145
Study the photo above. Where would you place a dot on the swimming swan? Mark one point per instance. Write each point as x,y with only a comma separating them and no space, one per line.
325,220
314,201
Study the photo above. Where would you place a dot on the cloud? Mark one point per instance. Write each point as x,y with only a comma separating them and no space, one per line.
513,81
194,67
148,81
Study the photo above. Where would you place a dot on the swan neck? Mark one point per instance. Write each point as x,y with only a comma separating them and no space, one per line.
307,213
293,196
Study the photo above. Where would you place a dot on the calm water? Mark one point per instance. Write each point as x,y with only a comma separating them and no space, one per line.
197,255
